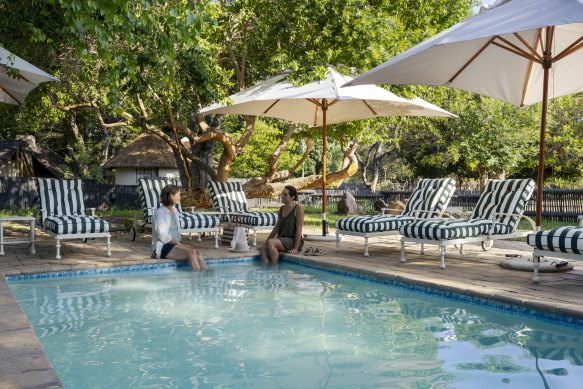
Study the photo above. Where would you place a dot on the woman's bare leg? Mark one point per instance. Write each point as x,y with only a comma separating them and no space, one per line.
181,251
274,247
263,252
200,259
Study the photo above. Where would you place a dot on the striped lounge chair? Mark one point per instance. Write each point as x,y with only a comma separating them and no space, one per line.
563,242
190,222
229,200
429,199
62,213
496,216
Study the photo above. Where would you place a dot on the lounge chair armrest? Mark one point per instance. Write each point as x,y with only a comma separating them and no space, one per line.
418,211
208,213
390,209
191,208
92,211
519,216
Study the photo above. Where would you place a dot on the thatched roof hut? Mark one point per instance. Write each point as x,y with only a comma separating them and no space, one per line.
24,158
146,151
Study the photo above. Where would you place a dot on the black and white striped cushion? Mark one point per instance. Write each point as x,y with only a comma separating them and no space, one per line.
149,191
377,223
500,196
190,220
75,224
228,196
60,197
258,219
563,239
445,229
504,196
429,194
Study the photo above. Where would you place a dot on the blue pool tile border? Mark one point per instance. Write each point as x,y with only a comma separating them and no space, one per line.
499,306
513,309
122,269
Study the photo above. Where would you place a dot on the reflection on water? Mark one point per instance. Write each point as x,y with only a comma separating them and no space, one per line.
291,327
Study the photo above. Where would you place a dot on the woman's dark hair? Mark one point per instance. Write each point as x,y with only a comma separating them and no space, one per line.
167,191
292,192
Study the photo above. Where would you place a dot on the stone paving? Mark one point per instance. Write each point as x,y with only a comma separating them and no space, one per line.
23,363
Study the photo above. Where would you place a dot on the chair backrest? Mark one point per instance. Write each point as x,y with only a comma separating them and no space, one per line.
60,197
504,196
430,195
149,190
228,196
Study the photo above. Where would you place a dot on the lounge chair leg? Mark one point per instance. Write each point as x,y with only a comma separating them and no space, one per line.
254,237
190,235
199,236
366,246
422,248
109,246
337,242
536,263
58,246
442,254
217,239
403,252
461,249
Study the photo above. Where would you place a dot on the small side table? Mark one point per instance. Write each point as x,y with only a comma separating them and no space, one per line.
30,240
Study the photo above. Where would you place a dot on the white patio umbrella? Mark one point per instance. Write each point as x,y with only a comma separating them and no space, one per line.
519,51
322,102
14,90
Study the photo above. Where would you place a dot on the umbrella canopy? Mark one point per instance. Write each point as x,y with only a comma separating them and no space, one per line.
278,98
508,51
14,90
322,102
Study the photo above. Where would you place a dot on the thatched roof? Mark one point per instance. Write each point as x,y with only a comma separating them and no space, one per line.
36,155
145,151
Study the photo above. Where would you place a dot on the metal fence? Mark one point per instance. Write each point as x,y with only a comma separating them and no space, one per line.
21,193
558,204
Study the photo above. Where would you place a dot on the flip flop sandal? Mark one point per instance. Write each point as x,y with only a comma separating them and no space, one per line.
309,251
561,264
318,252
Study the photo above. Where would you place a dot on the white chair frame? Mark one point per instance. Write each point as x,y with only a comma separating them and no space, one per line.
84,236
367,235
537,254
486,240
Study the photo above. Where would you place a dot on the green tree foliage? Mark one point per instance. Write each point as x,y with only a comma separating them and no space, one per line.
564,156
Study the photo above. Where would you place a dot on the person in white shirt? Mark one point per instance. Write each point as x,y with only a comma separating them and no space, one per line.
166,235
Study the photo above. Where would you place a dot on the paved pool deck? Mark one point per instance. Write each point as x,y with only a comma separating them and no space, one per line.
23,363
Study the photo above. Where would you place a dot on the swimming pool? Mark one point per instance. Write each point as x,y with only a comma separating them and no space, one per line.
240,325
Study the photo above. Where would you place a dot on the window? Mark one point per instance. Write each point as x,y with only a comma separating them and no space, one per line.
146,173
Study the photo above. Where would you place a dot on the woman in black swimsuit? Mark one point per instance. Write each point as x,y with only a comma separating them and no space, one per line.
288,229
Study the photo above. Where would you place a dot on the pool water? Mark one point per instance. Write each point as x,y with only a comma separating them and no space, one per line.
246,326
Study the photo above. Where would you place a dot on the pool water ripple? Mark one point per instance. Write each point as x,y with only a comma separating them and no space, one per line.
244,326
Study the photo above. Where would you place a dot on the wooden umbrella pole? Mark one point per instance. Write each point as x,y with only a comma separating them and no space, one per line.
541,155
324,222
546,63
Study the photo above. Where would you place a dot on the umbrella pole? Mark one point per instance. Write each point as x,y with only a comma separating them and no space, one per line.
541,154
324,222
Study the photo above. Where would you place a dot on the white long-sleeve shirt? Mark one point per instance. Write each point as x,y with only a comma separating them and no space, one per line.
163,228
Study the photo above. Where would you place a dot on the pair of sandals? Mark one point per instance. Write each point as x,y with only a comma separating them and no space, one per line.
314,251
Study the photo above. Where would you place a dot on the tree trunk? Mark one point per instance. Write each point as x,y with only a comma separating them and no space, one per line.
483,177
204,150
257,187
500,173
